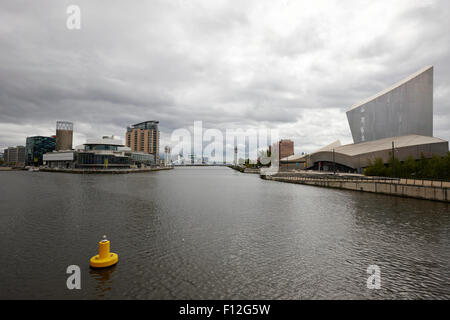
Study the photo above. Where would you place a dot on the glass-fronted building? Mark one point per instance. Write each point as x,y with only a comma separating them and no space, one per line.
36,147
102,153
91,159
139,158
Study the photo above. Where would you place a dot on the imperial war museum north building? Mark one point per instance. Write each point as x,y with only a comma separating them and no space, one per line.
400,117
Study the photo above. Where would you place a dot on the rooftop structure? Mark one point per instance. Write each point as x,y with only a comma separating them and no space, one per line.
152,124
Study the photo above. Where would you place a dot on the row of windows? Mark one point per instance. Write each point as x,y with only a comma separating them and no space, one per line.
91,158
101,147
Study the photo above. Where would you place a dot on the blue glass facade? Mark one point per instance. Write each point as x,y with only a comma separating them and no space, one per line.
36,147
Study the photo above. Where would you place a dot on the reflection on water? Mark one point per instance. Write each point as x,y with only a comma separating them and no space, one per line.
102,278
213,233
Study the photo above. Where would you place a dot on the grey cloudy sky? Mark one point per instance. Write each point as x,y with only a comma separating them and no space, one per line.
293,65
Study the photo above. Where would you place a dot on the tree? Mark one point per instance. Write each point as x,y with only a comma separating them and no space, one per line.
409,168
435,168
377,169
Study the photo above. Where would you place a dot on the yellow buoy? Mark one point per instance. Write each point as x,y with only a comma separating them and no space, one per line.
104,259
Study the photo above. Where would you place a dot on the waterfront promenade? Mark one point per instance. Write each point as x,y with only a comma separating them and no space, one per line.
410,188
104,171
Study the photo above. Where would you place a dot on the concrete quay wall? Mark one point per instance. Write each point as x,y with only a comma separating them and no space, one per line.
427,191
104,171
246,170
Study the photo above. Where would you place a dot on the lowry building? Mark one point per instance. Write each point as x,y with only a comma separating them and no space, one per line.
144,137
398,120
104,153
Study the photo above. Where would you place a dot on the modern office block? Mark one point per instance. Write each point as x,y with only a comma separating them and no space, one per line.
36,147
15,156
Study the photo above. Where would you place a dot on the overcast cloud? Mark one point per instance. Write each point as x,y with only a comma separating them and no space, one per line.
293,65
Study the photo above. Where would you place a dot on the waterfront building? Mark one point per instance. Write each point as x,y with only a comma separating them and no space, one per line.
139,159
36,147
15,156
64,135
353,158
144,137
103,153
396,122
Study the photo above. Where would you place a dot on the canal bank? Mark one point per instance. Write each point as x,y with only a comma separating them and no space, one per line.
243,169
104,171
409,188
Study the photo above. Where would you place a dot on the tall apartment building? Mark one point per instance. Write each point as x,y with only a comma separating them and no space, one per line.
144,137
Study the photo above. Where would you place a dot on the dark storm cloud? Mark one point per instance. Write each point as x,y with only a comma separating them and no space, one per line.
289,64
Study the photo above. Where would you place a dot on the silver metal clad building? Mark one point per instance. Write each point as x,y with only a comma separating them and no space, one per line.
404,109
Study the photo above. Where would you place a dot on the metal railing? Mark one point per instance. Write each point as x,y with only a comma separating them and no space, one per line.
395,181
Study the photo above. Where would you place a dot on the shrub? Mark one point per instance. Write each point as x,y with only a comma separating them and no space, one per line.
434,168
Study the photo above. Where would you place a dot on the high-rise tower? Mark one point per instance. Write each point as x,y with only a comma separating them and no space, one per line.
144,137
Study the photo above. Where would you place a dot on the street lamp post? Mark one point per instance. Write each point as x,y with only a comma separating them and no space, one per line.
393,158
334,162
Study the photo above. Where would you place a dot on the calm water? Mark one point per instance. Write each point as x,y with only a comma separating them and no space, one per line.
213,233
